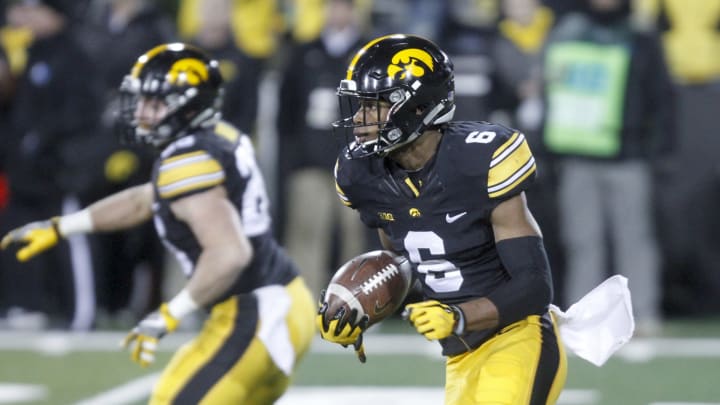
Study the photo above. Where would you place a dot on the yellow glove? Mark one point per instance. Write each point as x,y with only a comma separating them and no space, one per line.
145,336
435,320
36,237
342,329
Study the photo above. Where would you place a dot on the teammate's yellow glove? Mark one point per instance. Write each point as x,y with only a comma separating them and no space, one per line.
435,320
36,237
342,328
144,338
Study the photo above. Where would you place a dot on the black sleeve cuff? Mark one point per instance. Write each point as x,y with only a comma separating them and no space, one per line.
529,290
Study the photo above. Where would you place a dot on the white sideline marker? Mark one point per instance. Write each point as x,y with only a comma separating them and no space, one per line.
11,393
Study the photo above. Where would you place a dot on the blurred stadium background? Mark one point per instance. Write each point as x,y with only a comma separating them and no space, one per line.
680,365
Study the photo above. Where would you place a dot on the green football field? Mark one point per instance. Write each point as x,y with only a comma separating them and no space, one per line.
682,367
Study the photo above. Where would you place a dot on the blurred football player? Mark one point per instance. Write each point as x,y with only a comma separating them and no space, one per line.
209,205
450,196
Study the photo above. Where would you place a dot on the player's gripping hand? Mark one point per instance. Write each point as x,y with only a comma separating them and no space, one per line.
143,339
36,237
343,328
435,320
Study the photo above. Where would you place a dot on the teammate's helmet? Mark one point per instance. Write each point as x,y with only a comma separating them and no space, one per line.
410,73
181,76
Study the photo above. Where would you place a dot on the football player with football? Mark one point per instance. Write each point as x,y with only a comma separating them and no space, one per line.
449,195
209,204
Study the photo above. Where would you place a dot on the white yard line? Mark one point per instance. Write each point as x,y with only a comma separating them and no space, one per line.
132,391
60,343
684,403
12,393
139,389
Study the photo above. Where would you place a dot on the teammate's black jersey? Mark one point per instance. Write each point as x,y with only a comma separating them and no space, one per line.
439,216
207,158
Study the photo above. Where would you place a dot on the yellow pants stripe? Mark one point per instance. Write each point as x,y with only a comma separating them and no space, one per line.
228,363
524,364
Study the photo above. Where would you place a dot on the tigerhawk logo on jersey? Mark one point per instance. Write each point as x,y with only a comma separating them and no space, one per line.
415,213
410,62
188,71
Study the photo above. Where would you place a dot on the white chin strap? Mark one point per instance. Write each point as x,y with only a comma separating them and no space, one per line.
427,121
445,117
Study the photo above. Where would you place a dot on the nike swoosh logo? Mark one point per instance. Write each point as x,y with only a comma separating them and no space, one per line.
380,309
450,219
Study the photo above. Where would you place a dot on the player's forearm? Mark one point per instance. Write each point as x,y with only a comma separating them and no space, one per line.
122,210
479,314
216,271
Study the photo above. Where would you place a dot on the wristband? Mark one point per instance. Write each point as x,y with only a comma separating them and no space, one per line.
183,304
78,222
460,322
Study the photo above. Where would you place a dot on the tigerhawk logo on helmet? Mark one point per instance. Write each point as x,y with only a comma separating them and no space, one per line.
411,74
185,79
406,61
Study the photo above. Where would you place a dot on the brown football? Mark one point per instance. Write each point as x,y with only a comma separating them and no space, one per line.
374,283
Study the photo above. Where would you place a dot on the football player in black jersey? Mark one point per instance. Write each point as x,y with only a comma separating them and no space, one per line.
209,204
450,197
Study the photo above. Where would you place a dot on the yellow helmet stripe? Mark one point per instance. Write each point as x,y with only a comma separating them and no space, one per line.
367,46
142,60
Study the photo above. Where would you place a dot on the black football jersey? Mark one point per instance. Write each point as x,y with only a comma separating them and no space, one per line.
210,157
439,216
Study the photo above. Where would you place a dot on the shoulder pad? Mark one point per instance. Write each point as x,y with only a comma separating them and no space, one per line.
499,154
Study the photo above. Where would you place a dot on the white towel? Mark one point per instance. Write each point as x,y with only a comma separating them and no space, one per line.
600,323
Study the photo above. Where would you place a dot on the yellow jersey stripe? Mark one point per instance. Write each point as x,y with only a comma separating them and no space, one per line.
517,178
191,184
509,161
514,139
177,158
188,169
512,163
341,194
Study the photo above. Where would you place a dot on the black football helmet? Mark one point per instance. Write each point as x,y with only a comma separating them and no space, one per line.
183,77
410,73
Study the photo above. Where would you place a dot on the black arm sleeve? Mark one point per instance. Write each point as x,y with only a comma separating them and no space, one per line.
529,290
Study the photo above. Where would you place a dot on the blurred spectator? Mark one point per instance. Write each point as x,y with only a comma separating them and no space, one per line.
609,112
7,83
690,183
50,161
426,18
690,36
468,31
516,53
255,24
241,72
316,223
6,90
516,100
470,26
129,264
